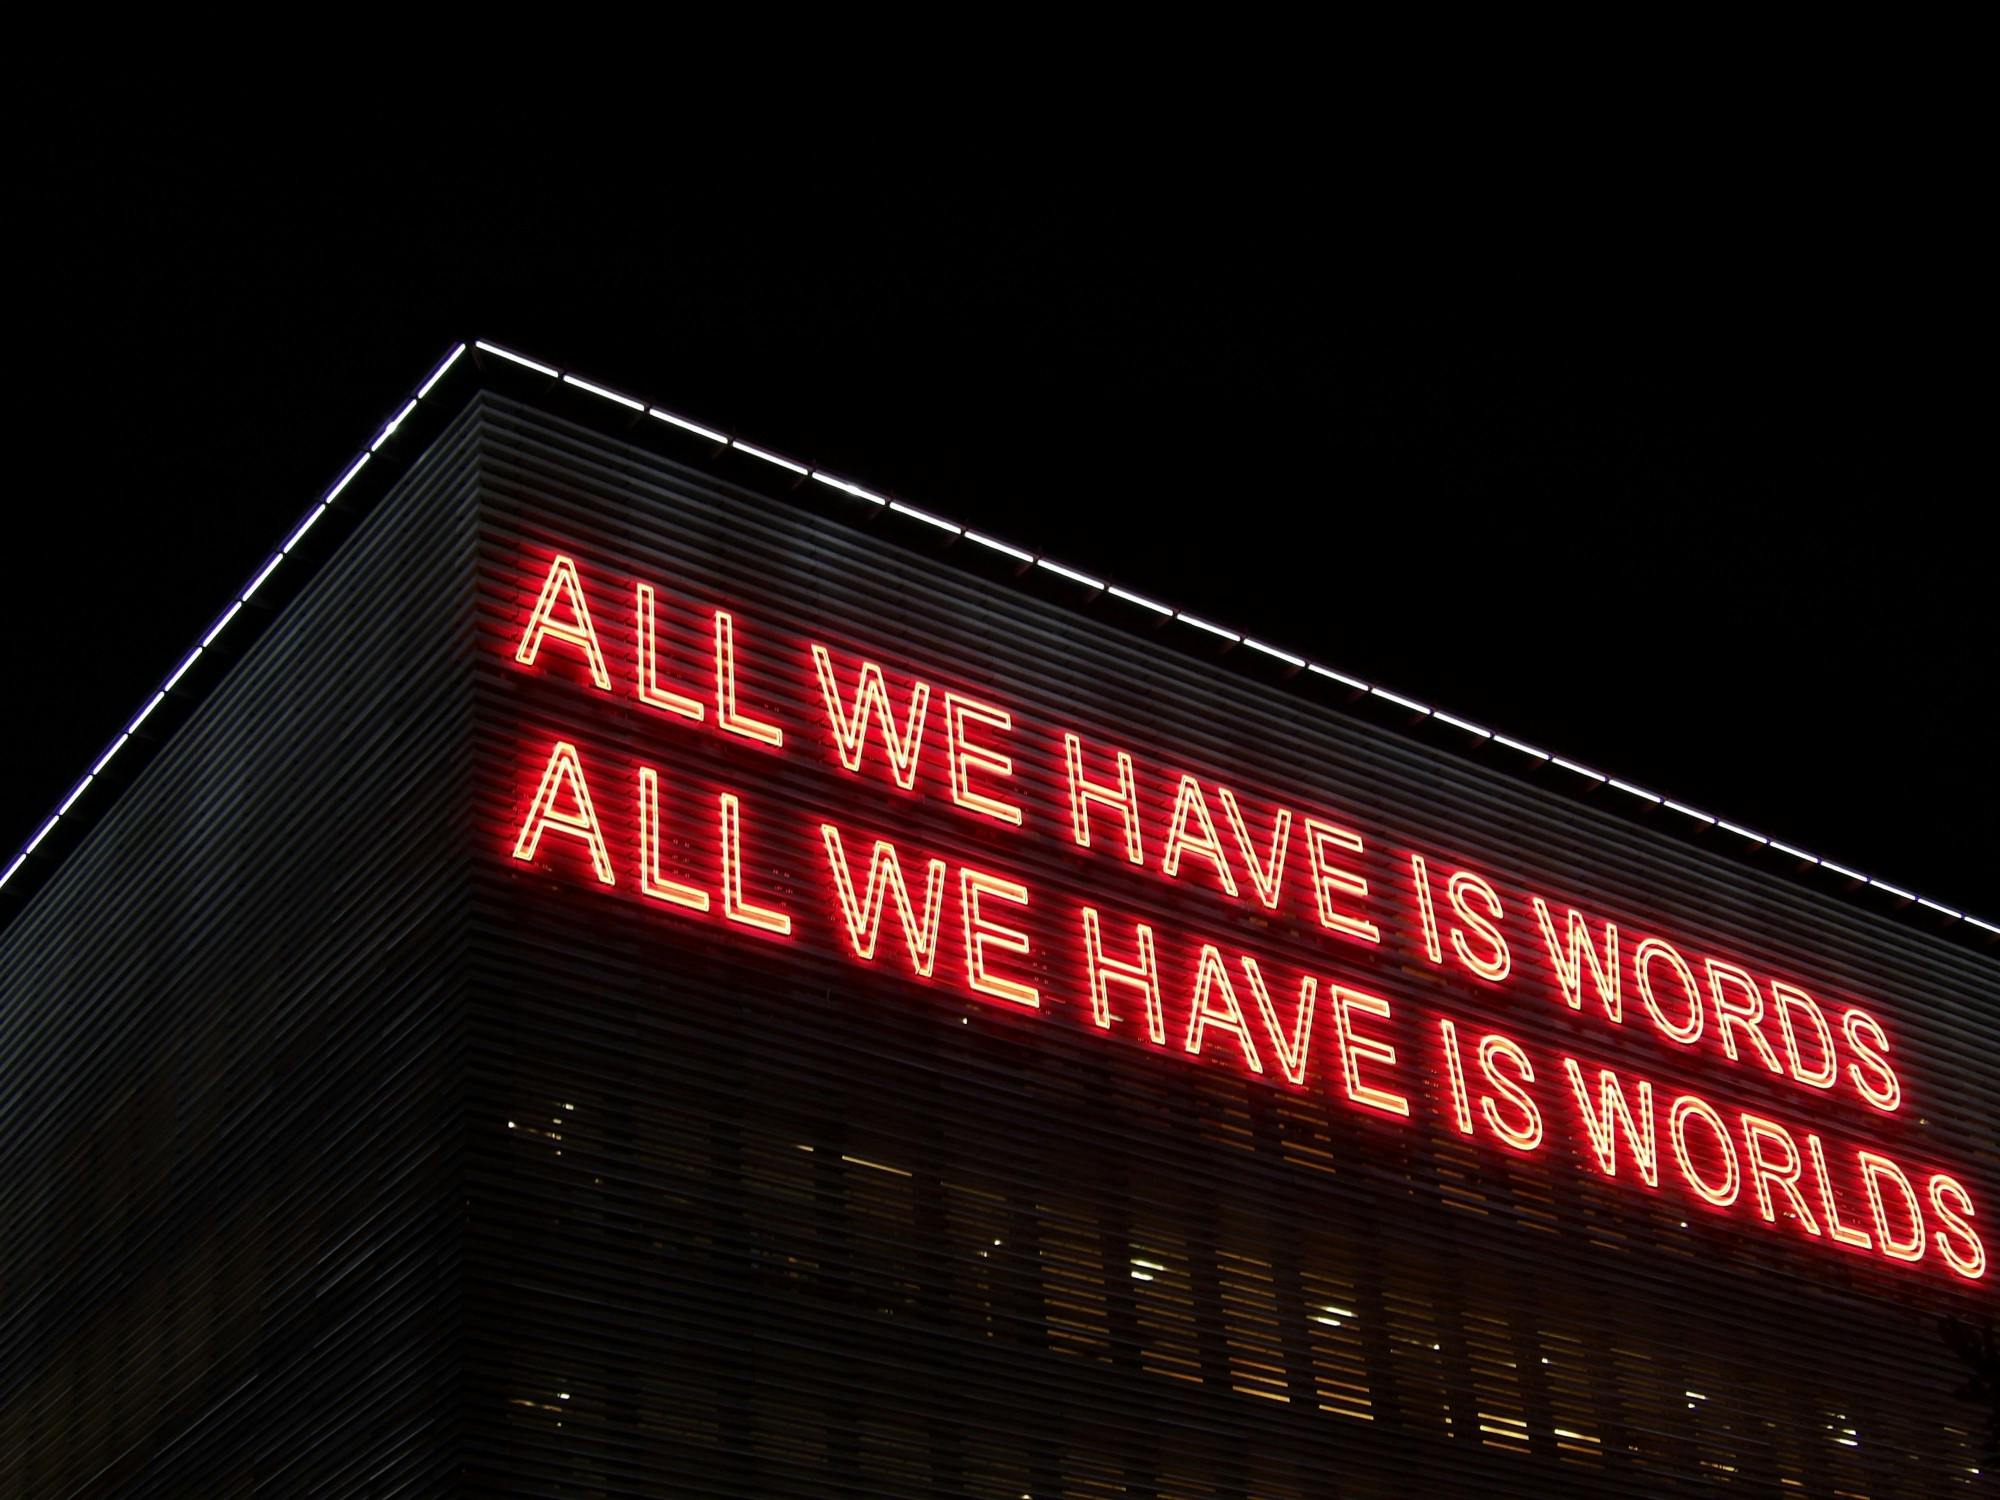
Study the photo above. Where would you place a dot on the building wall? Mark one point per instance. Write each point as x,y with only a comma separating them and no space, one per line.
751,1216
347,1153
231,1033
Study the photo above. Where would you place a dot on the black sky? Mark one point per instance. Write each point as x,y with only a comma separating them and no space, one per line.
1674,463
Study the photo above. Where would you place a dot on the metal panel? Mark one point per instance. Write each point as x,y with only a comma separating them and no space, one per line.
231,1029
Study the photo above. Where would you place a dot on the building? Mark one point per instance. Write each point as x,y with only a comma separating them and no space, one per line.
627,966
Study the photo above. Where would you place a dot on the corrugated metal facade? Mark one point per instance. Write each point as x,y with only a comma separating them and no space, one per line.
630,1198
231,1027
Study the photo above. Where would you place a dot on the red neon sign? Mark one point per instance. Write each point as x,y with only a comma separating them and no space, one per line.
767,855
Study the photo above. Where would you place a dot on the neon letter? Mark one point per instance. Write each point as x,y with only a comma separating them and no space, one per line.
1839,1231
1602,1122
1887,1095
1082,792
850,732
564,771
1746,1015
1143,975
1972,1265
651,883
563,582
1495,967
1782,1174
1354,1047
885,877
1454,1066
1689,1031
1213,977
1190,800
1582,951
1269,877
980,931
1725,1146
650,691
1292,1050
1827,1073
965,757
1420,872
734,906
1874,1169
726,716
1328,878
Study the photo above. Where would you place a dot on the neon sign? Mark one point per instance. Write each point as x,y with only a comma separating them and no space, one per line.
867,740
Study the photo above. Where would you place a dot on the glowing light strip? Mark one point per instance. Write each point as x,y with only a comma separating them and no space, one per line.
263,575
1341,677
1070,573
181,671
941,524
105,759
922,515
695,427
304,526
770,458
998,546
1400,701
222,624
1283,656
1457,723
519,359
607,394
258,582
1570,765
844,486
381,437
1692,812
1139,599
1187,619
355,468
145,713
439,373
1501,739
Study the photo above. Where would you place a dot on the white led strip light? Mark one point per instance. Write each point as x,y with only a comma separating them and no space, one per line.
264,571
1027,560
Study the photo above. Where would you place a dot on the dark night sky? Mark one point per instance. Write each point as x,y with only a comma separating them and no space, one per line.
1671,465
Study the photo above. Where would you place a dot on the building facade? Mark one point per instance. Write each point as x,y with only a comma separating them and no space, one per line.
642,969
